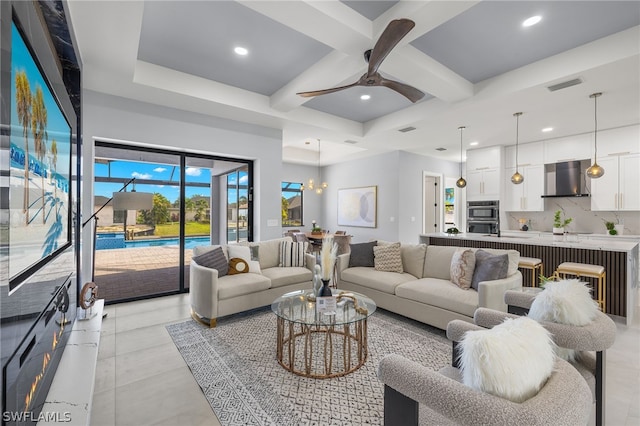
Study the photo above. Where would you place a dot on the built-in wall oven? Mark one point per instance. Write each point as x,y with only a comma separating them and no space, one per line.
483,217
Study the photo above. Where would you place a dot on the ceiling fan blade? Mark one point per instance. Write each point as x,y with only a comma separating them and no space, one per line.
410,92
390,37
325,91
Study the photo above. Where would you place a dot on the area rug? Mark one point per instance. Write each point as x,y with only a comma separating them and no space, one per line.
235,365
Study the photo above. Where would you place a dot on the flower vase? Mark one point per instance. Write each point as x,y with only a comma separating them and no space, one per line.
325,291
558,234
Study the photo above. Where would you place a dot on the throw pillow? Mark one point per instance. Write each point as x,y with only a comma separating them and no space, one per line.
244,253
293,254
565,302
361,254
489,267
214,259
388,258
238,266
512,360
463,264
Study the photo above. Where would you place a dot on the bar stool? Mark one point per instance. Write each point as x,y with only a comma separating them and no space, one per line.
533,264
586,270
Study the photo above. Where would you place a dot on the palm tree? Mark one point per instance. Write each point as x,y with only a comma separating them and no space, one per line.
39,131
23,106
54,161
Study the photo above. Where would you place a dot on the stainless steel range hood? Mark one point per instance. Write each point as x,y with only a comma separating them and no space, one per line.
567,179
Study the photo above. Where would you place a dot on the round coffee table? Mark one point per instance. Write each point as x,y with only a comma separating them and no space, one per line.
322,345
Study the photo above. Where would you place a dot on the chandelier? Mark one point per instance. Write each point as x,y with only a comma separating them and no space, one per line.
311,184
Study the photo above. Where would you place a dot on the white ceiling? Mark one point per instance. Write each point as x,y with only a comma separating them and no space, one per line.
474,60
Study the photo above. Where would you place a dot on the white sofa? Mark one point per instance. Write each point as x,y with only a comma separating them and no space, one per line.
212,297
424,290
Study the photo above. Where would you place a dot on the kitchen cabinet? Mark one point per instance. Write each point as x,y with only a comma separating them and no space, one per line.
620,141
526,197
617,189
484,168
577,147
528,154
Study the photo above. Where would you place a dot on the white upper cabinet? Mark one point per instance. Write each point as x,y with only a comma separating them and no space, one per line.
572,148
527,196
528,154
484,168
617,189
621,141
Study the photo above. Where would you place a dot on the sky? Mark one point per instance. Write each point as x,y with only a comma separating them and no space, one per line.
170,173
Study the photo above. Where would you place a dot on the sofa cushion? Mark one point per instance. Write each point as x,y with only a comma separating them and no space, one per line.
241,284
513,255
269,251
441,293
377,280
412,257
214,259
463,264
287,275
244,253
387,258
512,360
489,267
437,262
293,253
362,254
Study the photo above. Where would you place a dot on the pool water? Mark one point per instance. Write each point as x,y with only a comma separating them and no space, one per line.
189,242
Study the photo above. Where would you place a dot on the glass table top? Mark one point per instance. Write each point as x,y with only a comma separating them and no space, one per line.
300,307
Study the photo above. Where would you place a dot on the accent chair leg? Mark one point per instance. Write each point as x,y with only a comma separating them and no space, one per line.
399,409
210,323
600,386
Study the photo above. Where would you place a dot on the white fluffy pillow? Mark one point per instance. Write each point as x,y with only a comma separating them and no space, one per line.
512,360
565,302
244,253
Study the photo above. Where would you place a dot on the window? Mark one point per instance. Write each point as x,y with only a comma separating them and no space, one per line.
237,205
291,204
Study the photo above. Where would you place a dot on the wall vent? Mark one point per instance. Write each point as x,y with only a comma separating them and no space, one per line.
564,84
441,149
351,141
407,129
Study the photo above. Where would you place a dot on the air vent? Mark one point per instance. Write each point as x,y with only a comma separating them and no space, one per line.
351,142
564,84
407,129
441,149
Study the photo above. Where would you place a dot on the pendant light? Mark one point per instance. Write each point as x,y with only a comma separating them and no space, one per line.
517,178
461,183
595,171
311,185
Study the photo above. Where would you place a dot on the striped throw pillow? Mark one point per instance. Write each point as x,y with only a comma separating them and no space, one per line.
293,253
387,258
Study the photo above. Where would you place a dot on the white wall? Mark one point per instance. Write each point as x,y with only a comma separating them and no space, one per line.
116,119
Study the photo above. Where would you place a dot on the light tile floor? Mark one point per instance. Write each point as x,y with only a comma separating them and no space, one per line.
142,379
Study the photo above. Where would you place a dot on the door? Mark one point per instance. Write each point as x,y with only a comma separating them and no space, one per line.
433,203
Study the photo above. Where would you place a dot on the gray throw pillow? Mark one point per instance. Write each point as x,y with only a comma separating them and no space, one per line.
214,259
362,254
489,267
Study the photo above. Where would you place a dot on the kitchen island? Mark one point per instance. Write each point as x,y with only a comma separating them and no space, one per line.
618,256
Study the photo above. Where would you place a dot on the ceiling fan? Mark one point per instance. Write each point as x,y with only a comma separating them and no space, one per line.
390,37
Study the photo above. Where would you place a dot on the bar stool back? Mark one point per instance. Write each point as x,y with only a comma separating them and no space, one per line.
532,264
585,270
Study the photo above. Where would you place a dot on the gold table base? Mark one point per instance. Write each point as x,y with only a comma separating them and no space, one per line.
350,338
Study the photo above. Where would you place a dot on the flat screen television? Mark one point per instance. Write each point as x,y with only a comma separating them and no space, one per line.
40,166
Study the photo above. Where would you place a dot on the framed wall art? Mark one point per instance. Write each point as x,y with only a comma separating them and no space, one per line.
358,206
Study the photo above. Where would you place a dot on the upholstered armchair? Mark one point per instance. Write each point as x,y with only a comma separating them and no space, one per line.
592,340
565,397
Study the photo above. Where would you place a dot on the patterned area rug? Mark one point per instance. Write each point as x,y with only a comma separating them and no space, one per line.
235,365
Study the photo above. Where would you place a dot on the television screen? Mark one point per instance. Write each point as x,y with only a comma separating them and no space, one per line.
40,167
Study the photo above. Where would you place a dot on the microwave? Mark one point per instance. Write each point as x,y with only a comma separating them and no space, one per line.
483,227
483,210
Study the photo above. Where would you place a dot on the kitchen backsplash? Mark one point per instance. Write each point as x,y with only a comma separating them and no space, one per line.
584,220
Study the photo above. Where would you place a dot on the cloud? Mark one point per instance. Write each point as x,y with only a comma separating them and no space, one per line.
193,171
244,179
159,169
141,175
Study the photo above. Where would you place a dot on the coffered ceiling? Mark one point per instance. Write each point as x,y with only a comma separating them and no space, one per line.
474,60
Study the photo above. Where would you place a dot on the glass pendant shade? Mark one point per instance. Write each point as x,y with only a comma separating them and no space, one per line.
311,185
595,171
461,183
517,178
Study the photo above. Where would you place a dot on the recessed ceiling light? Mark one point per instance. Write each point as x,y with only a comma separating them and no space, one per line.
241,51
547,129
473,143
365,97
531,21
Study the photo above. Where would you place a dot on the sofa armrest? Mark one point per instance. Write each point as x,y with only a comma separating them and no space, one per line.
203,290
491,293
343,262
310,261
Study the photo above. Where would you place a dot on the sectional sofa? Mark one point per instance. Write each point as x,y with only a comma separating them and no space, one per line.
424,290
